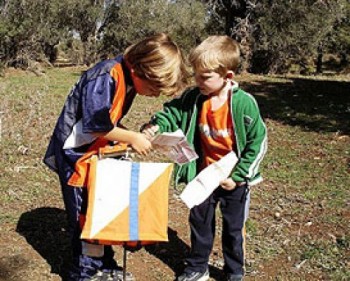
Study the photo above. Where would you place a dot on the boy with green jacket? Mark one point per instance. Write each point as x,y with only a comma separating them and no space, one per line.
217,117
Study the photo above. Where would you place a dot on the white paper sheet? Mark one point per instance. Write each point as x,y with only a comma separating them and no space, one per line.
176,145
208,180
168,139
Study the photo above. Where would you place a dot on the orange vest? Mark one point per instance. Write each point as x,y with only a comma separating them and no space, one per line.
80,175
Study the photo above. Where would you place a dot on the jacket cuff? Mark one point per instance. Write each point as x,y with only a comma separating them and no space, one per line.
237,178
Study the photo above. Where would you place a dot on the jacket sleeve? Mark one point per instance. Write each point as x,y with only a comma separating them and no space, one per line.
255,143
171,117
96,104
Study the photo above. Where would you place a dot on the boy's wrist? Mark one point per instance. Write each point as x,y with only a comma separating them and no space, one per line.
240,183
144,126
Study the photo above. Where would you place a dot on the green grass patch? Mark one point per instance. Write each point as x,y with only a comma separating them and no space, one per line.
306,169
329,257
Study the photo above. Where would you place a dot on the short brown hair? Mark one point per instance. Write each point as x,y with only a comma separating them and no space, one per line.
159,60
218,53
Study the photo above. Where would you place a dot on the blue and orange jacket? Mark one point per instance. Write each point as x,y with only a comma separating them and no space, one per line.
97,103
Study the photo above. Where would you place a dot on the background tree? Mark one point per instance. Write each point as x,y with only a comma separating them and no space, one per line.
275,36
128,21
84,19
338,41
235,19
29,31
291,32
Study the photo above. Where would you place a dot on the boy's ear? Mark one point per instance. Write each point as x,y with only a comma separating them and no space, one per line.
230,74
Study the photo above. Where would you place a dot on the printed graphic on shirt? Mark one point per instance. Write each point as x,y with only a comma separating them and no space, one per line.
216,132
213,133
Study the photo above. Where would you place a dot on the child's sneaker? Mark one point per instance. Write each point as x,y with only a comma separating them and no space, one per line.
194,276
99,276
115,275
234,277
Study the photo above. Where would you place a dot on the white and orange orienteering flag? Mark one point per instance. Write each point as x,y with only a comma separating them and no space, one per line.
127,201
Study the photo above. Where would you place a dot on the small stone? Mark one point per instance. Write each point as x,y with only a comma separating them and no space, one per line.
277,215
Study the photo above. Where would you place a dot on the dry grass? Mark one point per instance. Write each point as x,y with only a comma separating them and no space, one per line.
299,220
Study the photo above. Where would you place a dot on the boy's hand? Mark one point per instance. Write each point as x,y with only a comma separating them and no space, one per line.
228,184
150,131
141,144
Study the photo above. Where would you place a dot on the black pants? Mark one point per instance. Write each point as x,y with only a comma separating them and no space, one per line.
233,205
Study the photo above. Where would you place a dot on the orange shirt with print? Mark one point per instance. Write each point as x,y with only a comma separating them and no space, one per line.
216,132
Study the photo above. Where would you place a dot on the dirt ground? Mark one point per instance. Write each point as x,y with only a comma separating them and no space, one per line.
297,230
37,248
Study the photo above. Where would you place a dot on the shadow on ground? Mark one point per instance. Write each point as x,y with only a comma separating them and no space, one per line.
173,254
315,105
44,230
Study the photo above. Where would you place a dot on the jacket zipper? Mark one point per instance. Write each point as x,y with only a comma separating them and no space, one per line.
234,125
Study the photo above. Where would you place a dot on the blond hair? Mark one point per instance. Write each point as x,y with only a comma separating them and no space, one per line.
159,60
217,53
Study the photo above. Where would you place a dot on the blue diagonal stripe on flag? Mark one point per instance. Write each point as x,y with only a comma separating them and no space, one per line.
134,200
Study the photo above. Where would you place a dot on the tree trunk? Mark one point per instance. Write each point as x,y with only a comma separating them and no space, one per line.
319,60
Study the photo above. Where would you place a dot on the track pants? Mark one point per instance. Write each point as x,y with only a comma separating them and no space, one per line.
234,208
83,266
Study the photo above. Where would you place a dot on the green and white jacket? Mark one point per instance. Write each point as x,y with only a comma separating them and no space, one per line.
249,128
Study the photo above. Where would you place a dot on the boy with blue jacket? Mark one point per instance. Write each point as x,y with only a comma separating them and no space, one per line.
217,117
90,120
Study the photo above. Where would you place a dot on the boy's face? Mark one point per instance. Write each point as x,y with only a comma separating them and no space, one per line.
209,82
143,87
